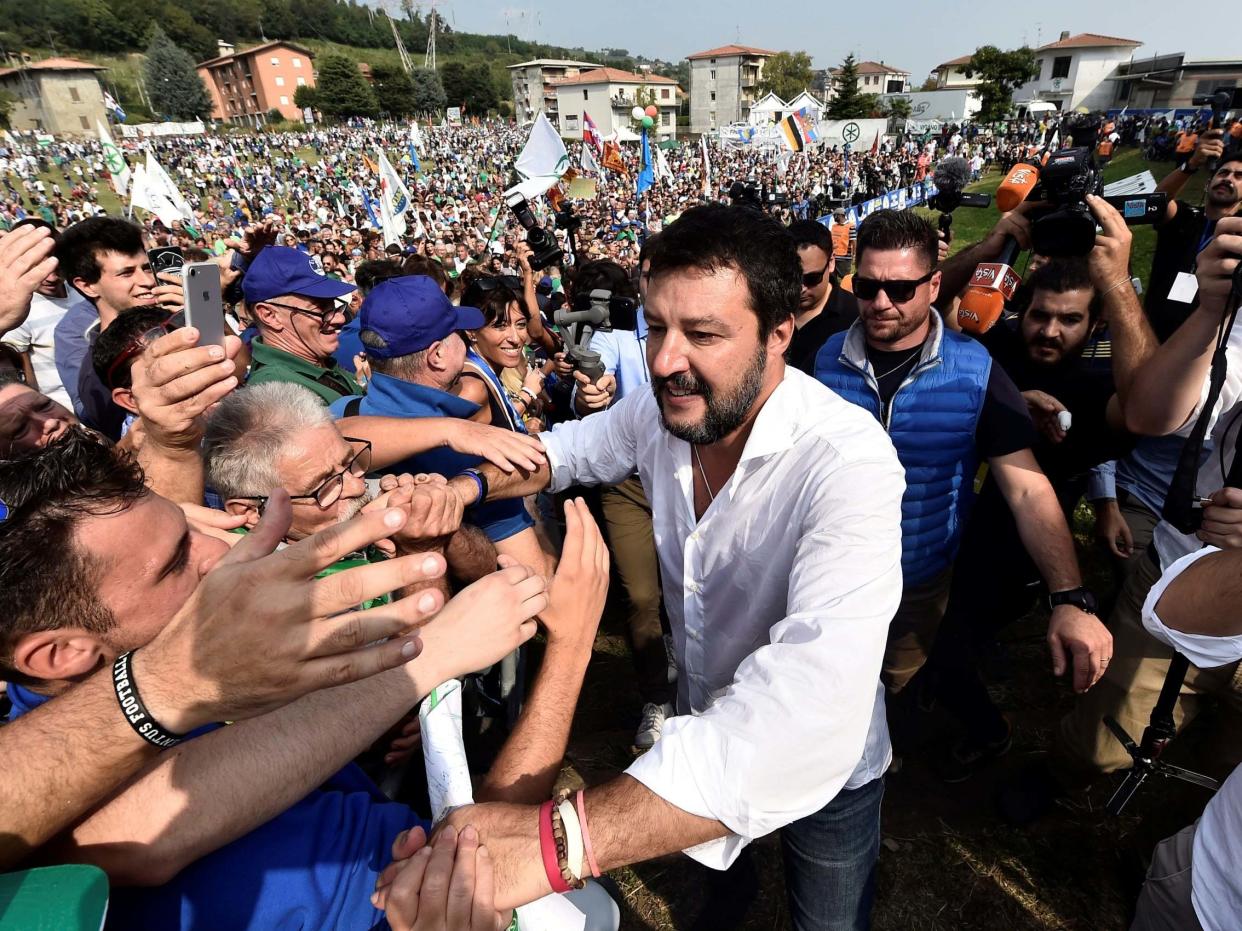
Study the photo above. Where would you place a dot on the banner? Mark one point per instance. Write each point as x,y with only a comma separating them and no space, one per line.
899,199
113,160
395,200
707,165
162,129
588,161
154,190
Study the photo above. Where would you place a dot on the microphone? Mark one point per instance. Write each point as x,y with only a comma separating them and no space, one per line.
1017,186
950,176
991,286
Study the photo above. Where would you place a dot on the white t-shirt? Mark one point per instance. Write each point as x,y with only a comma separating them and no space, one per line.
37,336
1216,880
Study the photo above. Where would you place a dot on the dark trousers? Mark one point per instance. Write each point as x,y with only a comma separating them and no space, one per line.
830,861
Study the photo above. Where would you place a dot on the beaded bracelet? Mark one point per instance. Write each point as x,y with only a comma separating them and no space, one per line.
547,847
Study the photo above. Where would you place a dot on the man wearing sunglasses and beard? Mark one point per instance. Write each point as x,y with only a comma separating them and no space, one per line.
823,309
947,408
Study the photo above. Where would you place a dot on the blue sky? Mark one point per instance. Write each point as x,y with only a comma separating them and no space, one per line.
914,36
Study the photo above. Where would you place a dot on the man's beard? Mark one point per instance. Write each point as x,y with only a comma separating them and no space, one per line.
351,508
724,414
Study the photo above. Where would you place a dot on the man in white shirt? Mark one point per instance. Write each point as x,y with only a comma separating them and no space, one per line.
776,508
1166,395
36,335
1194,880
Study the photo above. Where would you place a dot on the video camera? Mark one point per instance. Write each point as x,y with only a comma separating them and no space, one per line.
1222,100
1065,181
591,314
543,247
755,196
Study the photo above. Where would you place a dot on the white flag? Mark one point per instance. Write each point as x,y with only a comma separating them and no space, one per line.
395,199
392,227
707,165
153,190
114,160
543,160
588,161
416,137
661,165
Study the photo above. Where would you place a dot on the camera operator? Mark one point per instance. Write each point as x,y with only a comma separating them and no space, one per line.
1194,880
1167,395
1186,229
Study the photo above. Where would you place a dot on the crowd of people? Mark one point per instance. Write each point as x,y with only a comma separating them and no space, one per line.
235,568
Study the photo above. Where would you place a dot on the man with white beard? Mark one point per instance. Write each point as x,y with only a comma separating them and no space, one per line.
279,435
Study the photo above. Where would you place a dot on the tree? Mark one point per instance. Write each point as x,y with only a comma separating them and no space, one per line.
848,102
1002,73
394,90
306,96
787,74
931,83
341,90
7,103
897,108
428,91
469,86
175,89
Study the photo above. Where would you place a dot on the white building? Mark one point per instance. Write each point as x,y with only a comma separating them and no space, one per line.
875,77
724,85
945,104
1075,71
608,95
768,109
950,74
534,85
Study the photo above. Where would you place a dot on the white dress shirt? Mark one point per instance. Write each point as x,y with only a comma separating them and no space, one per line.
1171,545
1215,883
779,600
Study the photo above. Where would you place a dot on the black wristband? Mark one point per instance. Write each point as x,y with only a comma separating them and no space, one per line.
481,479
144,725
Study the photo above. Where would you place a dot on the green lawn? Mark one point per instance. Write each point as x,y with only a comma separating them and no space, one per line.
971,225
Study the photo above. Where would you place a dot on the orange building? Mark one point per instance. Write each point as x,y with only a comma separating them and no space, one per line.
245,85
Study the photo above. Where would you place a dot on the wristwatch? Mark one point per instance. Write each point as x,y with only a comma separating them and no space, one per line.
1081,598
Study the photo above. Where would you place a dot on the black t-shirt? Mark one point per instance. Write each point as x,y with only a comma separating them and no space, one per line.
1177,246
1085,391
838,314
1004,425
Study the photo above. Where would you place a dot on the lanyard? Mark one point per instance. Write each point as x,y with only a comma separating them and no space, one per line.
1209,229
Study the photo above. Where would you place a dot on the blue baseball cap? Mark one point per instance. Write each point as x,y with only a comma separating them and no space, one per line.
278,270
411,313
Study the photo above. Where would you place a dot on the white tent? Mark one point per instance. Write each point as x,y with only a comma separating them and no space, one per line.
1039,106
622,134
767,110
804,100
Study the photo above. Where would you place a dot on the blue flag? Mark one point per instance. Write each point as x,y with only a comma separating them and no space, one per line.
646,177
418,168
366,199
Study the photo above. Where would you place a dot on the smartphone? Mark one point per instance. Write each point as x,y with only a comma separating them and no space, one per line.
204,310
165,259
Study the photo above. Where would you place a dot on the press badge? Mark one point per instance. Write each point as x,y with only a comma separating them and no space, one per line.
1185,287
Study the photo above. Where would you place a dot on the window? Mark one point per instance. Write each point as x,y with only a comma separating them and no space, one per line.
275,60
1212,85
664,93
713,62
1039,68
280,82
713,73
713,96
301,80
297,62
666,119
284,101
1061,66
584,94
82,120
74,96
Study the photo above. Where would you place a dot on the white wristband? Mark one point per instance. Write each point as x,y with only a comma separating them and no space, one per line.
573,836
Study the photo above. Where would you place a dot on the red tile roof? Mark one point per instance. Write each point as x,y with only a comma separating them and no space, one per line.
56,64
258,48
954,62
1089,40
614,76
726,50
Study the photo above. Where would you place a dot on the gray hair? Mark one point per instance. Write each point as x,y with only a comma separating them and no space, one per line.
248,431
406,367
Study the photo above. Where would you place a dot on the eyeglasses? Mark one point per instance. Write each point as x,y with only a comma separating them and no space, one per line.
899,290
323,316
329,492
139,344
812,279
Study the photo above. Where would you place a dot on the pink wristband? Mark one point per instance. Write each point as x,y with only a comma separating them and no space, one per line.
586,836
547,847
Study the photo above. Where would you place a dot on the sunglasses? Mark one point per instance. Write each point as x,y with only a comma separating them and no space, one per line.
487,283
812,279
899,290
140,343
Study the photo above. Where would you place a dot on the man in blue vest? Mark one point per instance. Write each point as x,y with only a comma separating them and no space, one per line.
946,408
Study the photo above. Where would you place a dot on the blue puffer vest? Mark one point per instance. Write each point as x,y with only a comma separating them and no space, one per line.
931,421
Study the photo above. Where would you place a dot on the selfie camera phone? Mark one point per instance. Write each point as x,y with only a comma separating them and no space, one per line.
204,309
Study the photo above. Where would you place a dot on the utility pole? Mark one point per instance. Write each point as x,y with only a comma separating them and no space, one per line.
404,55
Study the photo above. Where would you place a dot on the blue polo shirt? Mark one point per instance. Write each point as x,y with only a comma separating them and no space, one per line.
313,866
391,397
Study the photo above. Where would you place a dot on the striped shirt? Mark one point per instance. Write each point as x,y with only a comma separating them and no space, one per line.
36,337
